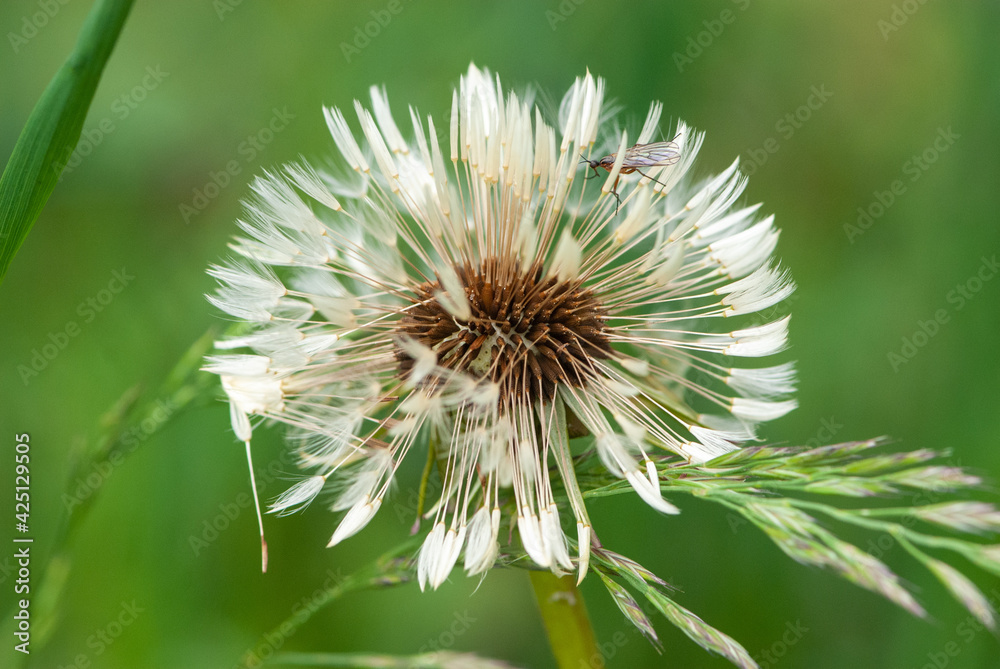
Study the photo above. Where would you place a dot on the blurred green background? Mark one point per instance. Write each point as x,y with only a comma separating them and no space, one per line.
894,79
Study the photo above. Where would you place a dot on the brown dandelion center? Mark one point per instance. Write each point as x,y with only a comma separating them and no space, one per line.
528,333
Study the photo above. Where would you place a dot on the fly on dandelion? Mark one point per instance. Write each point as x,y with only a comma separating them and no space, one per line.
637,157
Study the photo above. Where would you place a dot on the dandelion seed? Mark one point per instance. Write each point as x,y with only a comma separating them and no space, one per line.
483,305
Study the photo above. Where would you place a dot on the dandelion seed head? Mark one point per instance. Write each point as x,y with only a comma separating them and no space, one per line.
525,331
479,294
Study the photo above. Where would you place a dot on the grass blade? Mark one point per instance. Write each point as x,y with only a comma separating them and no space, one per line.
54,127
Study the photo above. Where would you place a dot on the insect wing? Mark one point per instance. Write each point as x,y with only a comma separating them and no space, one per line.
652,155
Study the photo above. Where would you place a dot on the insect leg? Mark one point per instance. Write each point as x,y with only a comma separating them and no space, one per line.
614,191
651,178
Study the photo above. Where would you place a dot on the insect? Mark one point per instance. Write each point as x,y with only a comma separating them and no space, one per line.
636,157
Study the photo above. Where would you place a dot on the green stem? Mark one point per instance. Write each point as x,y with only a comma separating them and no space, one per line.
894,529
391,569
132,417
566,621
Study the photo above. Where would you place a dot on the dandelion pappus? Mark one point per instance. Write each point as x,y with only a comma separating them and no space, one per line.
637,156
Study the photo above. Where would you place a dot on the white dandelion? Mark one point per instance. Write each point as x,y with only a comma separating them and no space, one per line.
477,295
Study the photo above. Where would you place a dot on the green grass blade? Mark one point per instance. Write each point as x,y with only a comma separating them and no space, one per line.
54,127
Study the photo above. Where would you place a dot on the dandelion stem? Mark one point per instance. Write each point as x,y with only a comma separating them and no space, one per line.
425,476
566,621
